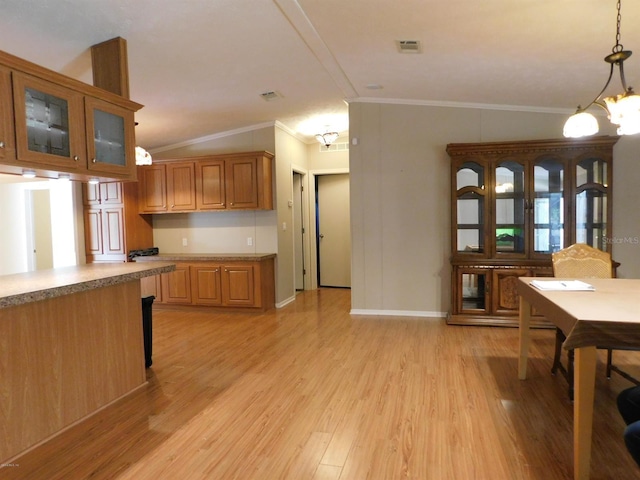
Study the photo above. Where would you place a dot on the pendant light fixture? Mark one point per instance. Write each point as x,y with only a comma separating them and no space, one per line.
143,157
622,110
327,138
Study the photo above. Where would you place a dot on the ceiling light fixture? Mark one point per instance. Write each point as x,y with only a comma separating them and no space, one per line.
142,156
327,138
622,109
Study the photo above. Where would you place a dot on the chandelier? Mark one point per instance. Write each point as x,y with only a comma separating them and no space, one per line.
327,138
143,157
622,110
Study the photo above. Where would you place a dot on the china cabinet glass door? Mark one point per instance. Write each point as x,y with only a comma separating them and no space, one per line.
591,203
471,206
548,205
509,208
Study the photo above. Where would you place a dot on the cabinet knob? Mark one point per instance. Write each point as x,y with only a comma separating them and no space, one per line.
231,204
1,144
76,158
93,160
172,206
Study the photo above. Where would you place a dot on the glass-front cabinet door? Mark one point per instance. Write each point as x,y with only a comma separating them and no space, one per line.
473,291
471,208
48,123
110,138
509,221
592,209
549,189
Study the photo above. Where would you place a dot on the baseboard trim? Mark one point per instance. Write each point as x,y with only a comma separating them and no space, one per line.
286,302
398,313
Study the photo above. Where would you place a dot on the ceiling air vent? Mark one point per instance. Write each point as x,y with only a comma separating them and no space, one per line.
409,46
268,96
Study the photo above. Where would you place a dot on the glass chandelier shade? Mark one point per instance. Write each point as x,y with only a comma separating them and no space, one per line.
327,138
622,110
143,157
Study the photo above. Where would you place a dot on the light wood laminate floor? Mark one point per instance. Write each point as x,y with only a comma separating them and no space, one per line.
310,392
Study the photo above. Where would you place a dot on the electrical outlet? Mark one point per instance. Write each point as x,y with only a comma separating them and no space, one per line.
184,242
249,241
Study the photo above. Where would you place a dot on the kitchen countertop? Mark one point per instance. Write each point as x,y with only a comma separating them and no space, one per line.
21,288
206,257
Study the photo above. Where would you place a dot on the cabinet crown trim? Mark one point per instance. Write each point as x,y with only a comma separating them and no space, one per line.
526,146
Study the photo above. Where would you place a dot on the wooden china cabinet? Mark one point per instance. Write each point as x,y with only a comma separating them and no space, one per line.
512,205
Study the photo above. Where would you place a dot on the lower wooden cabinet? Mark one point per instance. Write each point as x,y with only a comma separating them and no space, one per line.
230,284
176,285
486,294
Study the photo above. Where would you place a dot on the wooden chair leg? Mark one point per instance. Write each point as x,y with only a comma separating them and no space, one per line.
609,361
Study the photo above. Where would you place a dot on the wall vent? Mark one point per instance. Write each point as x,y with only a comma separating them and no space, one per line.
409,46
272,95
335,147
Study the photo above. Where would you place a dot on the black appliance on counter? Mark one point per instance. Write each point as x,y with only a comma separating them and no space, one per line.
145,252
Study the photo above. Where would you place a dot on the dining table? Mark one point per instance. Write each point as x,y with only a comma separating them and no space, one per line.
604,316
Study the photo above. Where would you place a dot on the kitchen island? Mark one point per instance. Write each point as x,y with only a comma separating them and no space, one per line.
71,343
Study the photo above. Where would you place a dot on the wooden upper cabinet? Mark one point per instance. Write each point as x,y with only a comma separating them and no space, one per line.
7,143
53,124
181,182
152,184
210,185
110,138
49,123
241,181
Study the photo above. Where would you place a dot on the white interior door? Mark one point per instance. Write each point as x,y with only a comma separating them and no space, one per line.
334,230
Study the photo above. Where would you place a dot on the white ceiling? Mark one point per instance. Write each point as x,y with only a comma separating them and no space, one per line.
199,66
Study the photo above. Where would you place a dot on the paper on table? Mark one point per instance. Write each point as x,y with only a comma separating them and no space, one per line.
572,285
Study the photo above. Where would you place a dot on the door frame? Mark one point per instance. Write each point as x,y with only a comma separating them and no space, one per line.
304,174
313,265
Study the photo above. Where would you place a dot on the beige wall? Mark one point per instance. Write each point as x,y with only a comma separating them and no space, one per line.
400,198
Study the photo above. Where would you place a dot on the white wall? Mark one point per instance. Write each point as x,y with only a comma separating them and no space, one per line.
400,197
64,214
13,237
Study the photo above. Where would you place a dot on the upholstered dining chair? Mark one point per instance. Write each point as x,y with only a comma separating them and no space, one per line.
581,261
